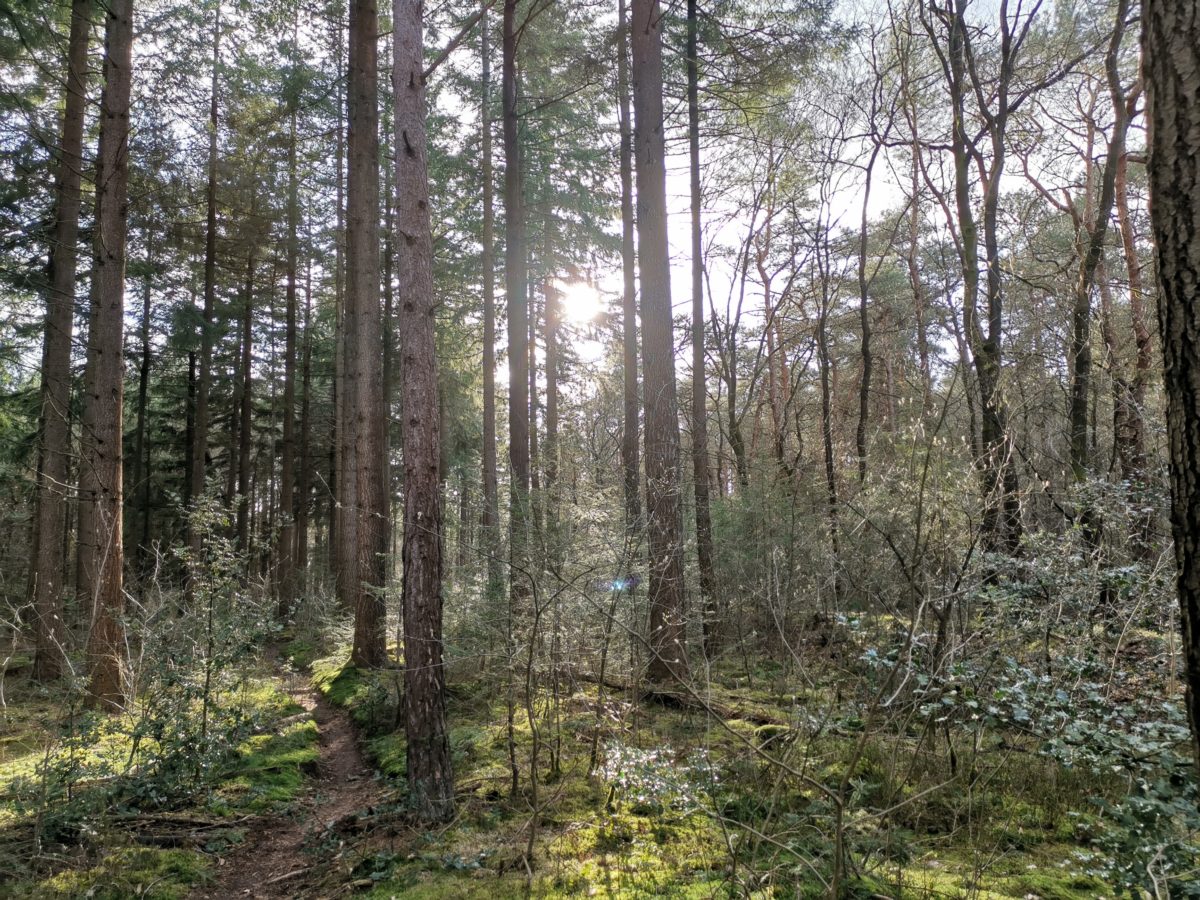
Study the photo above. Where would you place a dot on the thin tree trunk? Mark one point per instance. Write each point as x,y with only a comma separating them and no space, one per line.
668,661
1097,228
1001,516
101,456
305,488
49,557
518,317
389,312
286,547
535,470
141,462
491,498
339,500
912,260
1131,442
700,478
246,403
189,431
629,427
515,276
231,470
550,299
864,317
366,541
207,328
430,780
832,502
463,544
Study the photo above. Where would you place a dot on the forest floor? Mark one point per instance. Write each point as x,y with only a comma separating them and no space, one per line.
276,859
634,798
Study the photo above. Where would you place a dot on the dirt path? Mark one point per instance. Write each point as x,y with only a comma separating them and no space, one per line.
277,859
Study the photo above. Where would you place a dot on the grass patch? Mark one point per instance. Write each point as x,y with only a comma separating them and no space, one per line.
145,873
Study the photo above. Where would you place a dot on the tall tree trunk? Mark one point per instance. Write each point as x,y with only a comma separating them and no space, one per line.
1093,248
246,403
913,261
864,316
207,328
629,342
1171,68
389,310
430,780
141,461
49,558
366,541
463,544
338,501
700,479
231,470
825,364
552,314
286,548
1131,392
663,500
1001,516
100,483
304,491
518,317
535,470
491,498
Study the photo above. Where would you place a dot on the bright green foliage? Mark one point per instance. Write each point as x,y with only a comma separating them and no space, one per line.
270,769
153,874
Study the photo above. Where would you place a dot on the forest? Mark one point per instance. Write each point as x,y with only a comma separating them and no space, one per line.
621,448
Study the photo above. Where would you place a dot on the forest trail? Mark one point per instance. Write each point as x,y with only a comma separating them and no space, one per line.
278,858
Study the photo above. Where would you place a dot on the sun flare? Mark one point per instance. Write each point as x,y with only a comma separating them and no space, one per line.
581,302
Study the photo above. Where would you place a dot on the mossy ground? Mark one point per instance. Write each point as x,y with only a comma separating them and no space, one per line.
672,828
77,791
594,839
155,874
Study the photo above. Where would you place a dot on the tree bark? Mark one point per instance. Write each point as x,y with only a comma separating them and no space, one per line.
663,497
518,317
366,541
141,460
430,780
491,498
339,500
1171,68
552,319
864,315
204,377
246,403
629,428
304,491
49,558
1093,248
100,486
286,548
1130,392
700,479
1002,515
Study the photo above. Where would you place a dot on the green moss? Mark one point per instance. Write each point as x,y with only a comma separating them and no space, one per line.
146,873
771,735
387,752
301,652
270,769
1054,884
424,885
